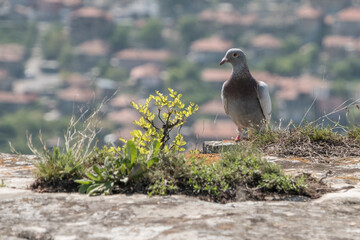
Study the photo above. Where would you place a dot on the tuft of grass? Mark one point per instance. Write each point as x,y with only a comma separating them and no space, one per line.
173,173
2,184
354,133
241,167
58,167
313,141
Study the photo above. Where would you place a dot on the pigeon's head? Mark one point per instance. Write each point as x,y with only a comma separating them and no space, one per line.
235,56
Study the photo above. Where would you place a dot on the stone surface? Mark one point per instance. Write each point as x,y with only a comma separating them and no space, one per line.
28,215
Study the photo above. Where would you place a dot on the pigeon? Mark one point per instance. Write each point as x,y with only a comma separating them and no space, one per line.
246,100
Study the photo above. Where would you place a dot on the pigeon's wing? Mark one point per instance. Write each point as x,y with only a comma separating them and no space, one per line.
264,99
224,100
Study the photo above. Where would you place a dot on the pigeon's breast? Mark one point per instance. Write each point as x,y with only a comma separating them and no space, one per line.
242,104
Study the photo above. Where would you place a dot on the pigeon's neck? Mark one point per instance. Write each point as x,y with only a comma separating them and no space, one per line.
241,71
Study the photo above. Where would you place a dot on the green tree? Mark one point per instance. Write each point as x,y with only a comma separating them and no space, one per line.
292,64
55,42
291,44
190,29
14,126
346,69
151,34
185,76
120,38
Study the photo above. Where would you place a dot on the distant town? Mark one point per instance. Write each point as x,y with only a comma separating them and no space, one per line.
61,57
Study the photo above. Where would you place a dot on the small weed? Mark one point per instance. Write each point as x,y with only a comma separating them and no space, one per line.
2,184
120,169
58,167
242,167
171,115
354,133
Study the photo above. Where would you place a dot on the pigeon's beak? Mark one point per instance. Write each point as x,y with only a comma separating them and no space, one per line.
224,60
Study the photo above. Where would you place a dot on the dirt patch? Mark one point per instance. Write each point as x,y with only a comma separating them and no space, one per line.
54,185
207,158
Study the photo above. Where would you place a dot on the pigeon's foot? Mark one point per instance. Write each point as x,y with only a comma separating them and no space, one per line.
238,138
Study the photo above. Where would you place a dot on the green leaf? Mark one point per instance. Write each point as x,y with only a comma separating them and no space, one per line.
90,189
152,161
83,188
137,170
131,151
93,177
98,171
83,181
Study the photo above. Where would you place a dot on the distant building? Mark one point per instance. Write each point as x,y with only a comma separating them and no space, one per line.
309,22
330,6
294,96
227,21
347,22
214,109
146,77
90,23
5,80
265,45
106,88
49,9
215,76
72,100
204,129
133,57
124,117
55,10
88,55
10,101
135,9
209,50
12,58
77,80
338,47
122,101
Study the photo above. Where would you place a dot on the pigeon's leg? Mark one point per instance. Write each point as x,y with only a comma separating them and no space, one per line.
238,138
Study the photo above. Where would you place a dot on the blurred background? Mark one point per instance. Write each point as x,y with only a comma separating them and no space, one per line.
61,57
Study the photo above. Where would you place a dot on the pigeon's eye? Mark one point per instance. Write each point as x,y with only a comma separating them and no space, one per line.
235,55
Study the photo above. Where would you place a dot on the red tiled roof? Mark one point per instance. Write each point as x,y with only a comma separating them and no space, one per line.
336,41
125,116
76,94
72,2
11,52
228,17
308,12
215,75
212,44
91,12
221,129
123,100
146,70
266,41
3,73
93,48
268,78
143,54
10,97
213,107
78,80
329,20
351,14
308,83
